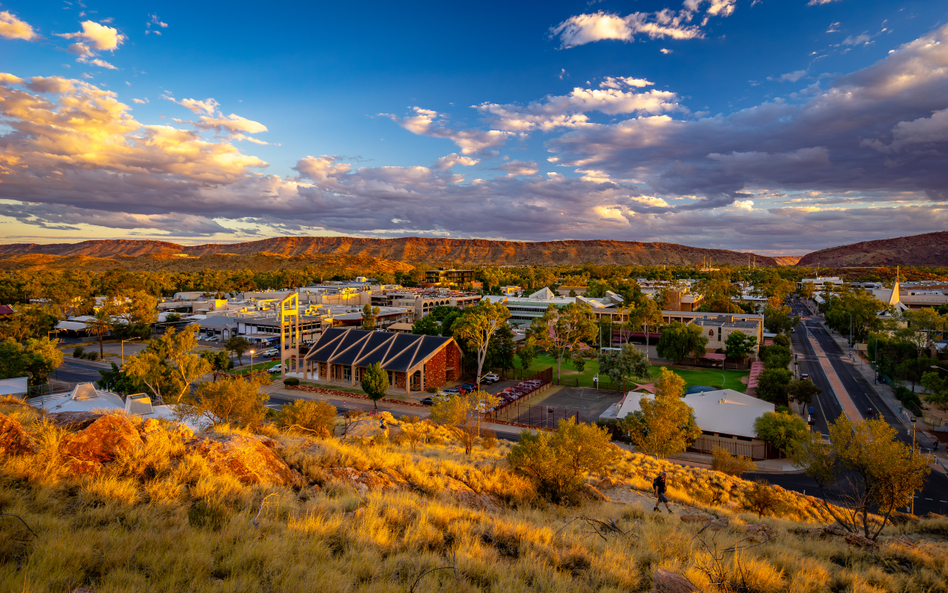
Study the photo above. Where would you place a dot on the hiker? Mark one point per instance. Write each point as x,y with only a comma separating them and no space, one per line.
658,484
382,423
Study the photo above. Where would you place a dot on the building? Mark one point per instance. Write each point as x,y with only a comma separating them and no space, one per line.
422,302
414,363
717,329
450,277
726,419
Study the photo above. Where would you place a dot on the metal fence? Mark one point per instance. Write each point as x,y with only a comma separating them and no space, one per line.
756,451
539,416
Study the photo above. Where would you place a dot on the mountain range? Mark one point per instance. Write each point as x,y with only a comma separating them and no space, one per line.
920,250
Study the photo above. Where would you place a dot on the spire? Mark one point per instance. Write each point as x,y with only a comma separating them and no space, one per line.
895,297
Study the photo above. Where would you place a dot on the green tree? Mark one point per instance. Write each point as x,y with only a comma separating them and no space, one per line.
679,340
623,364
776,357
375,382
874,472
219,360
28,321
802,392
807,290
937,386
773,386
500,353
117,381
562,330
663,426
527,353
558,461
167,366
238,345
739,345
477,326
99,325
36,359
235,400
779,319
782,340
669,384
134,312
426,326
782,430
370,317
646,314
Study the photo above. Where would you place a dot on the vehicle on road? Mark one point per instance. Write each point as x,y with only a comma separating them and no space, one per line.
804,376
449,391
490,378
467,387
427,401
275,369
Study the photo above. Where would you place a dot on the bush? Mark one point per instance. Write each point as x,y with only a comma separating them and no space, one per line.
235,401
432,390
291,381
78,352
91,355
762,499
309,417
732,465
488,439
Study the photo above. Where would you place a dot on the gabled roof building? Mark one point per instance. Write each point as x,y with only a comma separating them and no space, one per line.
414,363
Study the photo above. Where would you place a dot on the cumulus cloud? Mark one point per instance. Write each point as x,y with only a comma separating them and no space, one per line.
96,37
427,122
519,168
588,28
567,111
13,28
447,162
211,118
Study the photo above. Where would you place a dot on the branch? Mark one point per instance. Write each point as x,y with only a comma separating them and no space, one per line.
260,510
21,521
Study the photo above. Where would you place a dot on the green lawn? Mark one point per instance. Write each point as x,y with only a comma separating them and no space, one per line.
692,376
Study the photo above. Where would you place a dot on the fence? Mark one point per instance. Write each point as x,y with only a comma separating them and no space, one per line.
756,451
511,409
539,416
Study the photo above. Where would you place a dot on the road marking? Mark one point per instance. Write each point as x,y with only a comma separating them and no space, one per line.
928,499
842,396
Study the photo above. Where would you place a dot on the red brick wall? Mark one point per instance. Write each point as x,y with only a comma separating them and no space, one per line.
400,380
453,360
435,374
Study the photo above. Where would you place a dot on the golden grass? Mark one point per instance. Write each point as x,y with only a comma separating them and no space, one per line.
160,519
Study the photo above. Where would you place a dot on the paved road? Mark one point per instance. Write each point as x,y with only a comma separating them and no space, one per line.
826,406
934,498
74,371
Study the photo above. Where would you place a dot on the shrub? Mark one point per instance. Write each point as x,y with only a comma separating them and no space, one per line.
309,417
762,499
557,461
291,381
432,390
78,352
488,439
235,401
732,465
91,355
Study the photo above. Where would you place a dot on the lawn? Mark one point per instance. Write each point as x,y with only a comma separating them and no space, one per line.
692,376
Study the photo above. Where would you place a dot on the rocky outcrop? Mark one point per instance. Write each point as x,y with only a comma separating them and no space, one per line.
368,481
100,442
165,435
244,457
14,440
465,494
930,249
73,420
664,581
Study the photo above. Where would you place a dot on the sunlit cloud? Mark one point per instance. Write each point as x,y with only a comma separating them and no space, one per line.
13,28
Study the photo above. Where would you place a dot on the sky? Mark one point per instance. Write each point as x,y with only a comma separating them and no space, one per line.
773,126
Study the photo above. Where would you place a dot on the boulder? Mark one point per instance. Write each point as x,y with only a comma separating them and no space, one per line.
73,420
759,532
465,494
664,581
835,529
244,457
14,440
100,442
897,518
368,481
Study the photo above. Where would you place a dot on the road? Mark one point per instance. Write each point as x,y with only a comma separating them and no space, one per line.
75,371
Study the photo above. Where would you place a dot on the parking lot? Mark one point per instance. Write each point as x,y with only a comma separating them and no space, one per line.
586,402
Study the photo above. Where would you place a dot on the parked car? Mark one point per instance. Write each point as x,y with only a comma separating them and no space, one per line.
468,387
270,352
427,401
449,391
490,378
275,369
804,376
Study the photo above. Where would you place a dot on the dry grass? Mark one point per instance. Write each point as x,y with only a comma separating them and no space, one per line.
161,520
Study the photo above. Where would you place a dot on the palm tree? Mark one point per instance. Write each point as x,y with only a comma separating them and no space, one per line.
99,326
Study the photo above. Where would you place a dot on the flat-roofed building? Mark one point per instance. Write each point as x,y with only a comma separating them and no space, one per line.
450,277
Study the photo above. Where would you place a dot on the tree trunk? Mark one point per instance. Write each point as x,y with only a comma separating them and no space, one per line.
101,351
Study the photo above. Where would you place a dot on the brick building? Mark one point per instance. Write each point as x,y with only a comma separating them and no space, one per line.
414,363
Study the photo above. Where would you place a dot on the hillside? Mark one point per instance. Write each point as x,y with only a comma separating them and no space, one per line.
116,504
460,252
919,250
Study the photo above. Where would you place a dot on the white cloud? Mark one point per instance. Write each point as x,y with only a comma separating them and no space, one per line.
588,28
97,37
13,28
427,122
156,21
819,2
665,51
233,123
789,76
519,168
857,40
447,162
206,107
618,82
833,28
100,64
140,101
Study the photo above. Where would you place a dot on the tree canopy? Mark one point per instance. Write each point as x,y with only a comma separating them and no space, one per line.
375,382
564,329
679,341
477,325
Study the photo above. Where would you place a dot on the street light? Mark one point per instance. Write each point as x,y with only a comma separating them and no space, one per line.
123,347
935,366
251,361
914,453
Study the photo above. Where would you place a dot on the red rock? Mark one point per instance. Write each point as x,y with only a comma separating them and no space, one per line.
861,541
244,457
664,581
368,481
14,440
101,442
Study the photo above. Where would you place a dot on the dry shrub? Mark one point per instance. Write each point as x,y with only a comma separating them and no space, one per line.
308,417
732,465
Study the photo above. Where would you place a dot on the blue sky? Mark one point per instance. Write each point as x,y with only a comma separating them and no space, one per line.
774,126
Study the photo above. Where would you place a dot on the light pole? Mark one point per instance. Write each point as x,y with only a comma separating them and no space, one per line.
935,366
251,361
123,347
53,331
850,329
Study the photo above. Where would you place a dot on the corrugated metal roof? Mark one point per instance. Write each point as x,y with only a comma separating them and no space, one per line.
356,347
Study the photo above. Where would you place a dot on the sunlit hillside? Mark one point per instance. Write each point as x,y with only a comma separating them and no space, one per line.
126,505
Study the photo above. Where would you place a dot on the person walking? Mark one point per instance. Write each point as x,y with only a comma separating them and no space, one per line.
659,486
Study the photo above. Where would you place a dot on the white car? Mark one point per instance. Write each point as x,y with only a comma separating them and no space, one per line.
490,378
275,369
270,352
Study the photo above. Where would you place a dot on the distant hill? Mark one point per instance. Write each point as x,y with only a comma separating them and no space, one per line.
930,249
460,252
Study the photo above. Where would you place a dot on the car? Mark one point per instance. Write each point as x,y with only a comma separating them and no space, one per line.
449,391
490,378
804,376
468,387
275,369
427,401
270,352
